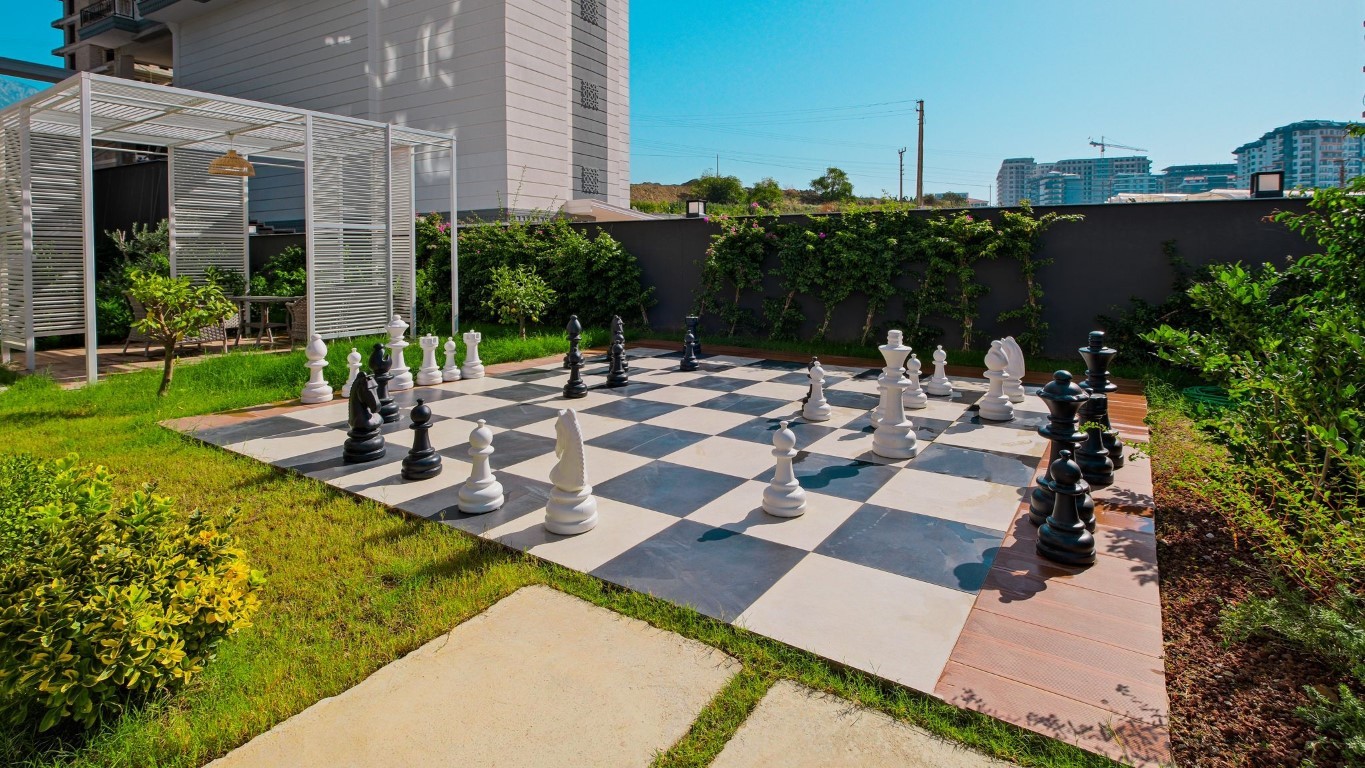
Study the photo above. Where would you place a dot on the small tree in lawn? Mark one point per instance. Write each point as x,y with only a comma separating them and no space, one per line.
176,310
518,293
834,186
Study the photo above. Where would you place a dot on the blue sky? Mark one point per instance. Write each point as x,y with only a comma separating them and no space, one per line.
780,87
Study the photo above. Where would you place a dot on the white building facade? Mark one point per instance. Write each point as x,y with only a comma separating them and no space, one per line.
1312,153
536,91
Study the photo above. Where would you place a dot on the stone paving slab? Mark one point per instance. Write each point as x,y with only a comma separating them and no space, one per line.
539,679
796,727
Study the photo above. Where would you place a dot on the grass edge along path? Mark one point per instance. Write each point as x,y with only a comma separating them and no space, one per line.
354,586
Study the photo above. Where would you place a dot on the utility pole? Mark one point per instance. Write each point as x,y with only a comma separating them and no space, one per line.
900,198
718,165
919,162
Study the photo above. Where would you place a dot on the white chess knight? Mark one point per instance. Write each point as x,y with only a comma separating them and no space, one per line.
894,436
482,492
572,507
784,496
451,371
816,407
938,384
352,368
1013,386
915,398
316,390
430,372
473,366
402,375
994,405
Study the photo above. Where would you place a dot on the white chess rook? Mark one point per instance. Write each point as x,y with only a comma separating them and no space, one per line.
430,373
473,366
402,375
452,370
482,492
572,507
816,407
994,405
1013,384
352,368
784,497
938,383
894,436
316,390
915,398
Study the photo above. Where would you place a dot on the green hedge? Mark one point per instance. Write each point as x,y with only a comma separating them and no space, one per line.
103,599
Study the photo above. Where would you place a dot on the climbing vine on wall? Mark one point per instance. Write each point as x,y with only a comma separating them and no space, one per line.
1018,235
734,262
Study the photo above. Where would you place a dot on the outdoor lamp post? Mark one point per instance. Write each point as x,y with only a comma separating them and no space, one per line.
1267,184
696,209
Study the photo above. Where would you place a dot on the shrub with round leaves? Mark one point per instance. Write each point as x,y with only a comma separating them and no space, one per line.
105,598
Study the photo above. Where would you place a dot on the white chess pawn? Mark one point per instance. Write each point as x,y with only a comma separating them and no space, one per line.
894,436
817,407
571,507
402,375
482,492
352,368
938,383
430,372
994,405
473,366
452,370
915,398
784,497
1013,385
316,390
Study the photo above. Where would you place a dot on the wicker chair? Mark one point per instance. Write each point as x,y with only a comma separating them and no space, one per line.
135,335
298,321
215,332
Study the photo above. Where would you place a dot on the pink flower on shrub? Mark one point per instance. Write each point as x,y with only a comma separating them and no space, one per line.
753,205
822,235
968,217
706,219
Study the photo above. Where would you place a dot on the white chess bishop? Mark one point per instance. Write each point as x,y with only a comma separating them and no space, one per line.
430,372
816,407
1013,384
784,496
994,405
572,508
316,390
482,492
938,384
402,375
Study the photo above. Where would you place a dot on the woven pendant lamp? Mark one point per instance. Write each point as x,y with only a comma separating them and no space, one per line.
231,164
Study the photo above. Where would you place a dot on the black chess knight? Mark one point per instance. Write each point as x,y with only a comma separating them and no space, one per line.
363,440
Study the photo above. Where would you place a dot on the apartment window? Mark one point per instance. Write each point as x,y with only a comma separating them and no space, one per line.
587,95
590,10
589,180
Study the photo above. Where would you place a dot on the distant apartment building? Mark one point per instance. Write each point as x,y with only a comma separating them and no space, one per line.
537,92
1022,178
1178,179
1312,153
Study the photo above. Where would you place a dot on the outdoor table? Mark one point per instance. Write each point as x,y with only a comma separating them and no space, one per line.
263,325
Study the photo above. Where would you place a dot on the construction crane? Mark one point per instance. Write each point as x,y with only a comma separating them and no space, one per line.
1102,144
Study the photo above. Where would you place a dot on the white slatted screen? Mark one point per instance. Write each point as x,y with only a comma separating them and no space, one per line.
208,215
58,265
404,235
13,298
352,287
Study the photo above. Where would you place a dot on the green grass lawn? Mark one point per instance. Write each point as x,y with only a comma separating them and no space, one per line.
353,586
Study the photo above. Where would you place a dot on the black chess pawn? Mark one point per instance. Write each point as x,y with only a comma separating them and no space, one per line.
380,363
1091,456
692,321
574,388
422,461
689,358
1063,399
364,441
1097,357
1063,537
618,335
616,373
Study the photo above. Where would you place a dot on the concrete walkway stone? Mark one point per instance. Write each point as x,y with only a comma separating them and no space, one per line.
796,727
539,679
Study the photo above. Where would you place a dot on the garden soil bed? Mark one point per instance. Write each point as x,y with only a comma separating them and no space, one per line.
1231,705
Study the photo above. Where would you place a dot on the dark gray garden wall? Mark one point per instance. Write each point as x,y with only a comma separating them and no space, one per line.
1113,255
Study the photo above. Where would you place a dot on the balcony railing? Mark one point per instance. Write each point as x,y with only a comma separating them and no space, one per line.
105,9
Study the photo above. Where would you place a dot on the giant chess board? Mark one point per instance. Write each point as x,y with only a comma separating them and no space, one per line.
880,572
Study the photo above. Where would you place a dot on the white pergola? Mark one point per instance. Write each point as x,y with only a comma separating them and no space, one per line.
358,202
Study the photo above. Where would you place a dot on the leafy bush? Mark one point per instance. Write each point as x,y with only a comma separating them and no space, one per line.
833,186
766,193
1127,326
284,274
146,249
518,294
718,189
102,598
